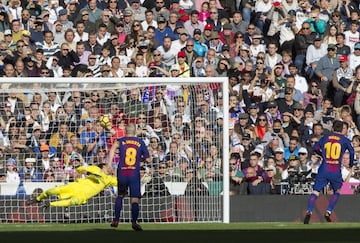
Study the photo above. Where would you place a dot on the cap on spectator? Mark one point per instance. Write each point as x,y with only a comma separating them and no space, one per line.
303,150
174,67
259,149
257,37
89,119
279,150
246,136
343,58
288,90
272,104
127,12
243,116
298,106
134,1
26,33
175,1
30,160
179,25
36,127
197,31
292,12
331,47
11,161
7,32
44,147
253,106
120,23
28,59
208,27
183,32
292,157
62,12
219,115
318,37
357,45
214,36
227,26
225,47
277,3
161,19
75,156
309,108
245,47
271,168
181,54
143,44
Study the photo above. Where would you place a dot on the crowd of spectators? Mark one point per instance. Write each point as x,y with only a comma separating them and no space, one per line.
292,68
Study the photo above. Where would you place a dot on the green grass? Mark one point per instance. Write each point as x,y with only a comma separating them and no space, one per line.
215,232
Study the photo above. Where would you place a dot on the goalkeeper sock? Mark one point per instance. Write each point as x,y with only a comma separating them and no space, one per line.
118,207
333,200
134,212
311,202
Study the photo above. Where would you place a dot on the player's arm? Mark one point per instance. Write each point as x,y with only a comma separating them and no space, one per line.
112,151
81,170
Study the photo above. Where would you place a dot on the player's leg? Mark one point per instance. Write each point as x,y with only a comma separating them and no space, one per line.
320,183
335,186
52,191
66,202
122,191
135,194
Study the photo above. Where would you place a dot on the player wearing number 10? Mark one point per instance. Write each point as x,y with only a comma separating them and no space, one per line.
331,146
131,150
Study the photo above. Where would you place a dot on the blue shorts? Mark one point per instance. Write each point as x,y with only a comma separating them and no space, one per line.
129,182
335,180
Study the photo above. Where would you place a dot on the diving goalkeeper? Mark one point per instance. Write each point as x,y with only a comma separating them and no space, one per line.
78,192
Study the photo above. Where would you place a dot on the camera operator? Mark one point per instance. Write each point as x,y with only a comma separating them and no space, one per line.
292,170
326,115
277,132
349,174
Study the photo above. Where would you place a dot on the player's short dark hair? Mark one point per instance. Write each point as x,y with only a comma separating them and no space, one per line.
338,126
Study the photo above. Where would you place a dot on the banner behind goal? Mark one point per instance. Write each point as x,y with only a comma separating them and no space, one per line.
48,124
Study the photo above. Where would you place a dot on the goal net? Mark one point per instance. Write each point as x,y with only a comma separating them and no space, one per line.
51,126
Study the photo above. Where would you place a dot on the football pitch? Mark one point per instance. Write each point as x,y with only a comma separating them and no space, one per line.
182,232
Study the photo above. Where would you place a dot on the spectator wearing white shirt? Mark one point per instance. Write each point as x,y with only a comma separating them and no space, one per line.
354,57
149,20
314,52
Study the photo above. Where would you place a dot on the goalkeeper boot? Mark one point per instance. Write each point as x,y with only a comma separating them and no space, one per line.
136,226
45,204
32,200
307,217
327,216
114,224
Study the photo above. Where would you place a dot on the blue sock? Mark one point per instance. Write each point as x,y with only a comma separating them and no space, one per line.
134,212
333,200
311,202
118,207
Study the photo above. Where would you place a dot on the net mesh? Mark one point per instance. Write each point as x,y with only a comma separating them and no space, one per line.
49,127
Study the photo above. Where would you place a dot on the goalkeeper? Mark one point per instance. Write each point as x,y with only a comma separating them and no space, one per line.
78,192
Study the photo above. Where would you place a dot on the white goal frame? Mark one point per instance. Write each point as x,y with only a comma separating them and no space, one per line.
142,82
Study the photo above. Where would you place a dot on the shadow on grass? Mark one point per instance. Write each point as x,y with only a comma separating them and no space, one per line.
172,236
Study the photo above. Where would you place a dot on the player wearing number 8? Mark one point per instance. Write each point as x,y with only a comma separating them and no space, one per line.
131,150
331,146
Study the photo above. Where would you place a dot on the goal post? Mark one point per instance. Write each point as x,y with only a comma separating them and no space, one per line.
173,204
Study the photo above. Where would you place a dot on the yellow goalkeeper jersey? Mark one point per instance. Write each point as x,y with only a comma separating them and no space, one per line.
95,182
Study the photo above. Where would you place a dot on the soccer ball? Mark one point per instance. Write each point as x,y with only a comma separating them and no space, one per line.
105,120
